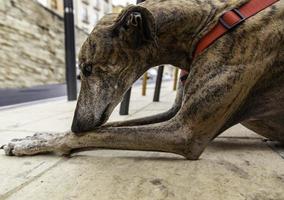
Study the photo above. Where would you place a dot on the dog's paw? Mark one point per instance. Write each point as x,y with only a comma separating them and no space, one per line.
36,144
7,149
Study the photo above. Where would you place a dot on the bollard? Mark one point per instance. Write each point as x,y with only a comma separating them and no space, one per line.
175,79
158,84
70,55
144,84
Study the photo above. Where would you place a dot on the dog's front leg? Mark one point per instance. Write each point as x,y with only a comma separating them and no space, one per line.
164,137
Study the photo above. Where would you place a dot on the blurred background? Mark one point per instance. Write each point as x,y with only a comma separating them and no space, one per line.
33,37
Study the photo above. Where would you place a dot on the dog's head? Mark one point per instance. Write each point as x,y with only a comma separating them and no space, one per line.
115,55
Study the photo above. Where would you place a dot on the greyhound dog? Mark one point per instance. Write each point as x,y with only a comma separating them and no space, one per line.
238,79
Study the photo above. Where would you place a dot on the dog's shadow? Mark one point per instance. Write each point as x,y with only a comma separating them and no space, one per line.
238,143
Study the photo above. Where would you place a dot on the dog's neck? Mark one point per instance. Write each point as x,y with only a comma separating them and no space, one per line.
181,24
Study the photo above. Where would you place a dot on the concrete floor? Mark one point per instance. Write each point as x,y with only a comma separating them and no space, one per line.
238,165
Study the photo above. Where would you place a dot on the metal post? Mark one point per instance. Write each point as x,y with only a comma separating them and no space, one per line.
70,54
124,106
175,79
144,84
158,84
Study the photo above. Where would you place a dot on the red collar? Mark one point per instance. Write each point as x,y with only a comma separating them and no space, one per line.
227,22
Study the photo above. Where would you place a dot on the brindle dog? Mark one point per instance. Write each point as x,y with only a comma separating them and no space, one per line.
238,79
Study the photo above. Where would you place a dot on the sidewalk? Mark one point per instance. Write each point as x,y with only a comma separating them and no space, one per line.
237,165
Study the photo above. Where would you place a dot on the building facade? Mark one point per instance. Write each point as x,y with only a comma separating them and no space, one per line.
55,5
86,12
32,45
117,8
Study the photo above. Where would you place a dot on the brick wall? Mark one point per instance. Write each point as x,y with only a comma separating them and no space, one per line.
31,44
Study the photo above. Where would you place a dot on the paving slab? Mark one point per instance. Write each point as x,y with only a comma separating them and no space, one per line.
240,131
14,118
16,173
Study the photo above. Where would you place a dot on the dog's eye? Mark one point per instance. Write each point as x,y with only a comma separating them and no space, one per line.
87,70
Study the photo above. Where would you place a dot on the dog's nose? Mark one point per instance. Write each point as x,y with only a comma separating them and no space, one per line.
81,124
76,127
77,124
84,121
80,127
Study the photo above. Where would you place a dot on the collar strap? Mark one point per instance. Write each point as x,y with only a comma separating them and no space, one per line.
228,21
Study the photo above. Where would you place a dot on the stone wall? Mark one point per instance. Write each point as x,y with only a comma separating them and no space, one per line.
31,44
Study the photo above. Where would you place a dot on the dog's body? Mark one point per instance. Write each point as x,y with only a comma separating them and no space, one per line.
238,79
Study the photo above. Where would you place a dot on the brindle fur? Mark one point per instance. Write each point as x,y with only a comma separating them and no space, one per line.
238,79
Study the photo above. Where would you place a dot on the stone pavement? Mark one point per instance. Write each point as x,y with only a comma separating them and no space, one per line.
238,165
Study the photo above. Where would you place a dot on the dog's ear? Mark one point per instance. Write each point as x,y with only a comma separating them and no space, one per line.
135,26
